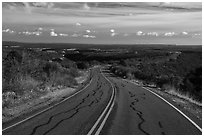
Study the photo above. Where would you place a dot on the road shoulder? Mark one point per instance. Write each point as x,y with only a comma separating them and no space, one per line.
23,111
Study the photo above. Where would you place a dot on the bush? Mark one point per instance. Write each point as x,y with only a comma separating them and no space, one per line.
73,72
66,63
82,65
27,83
192,83
61,79
25,70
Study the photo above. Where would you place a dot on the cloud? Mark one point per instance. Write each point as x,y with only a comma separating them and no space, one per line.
86,7
153,34
88,31
8,31
112,30
62,34
89,36
78,24
40,29
52,33
169,34
28,33
181,5
139,33
75,35
107,19
92,36
43,4
195,35
185,33
126,34
85,36
37,33
28,8
113,34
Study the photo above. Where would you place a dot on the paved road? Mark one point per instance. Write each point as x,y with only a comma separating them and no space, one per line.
108,106
139,112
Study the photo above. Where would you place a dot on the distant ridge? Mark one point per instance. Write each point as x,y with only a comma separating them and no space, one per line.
101,46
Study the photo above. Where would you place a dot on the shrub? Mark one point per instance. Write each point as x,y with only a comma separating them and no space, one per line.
61,79
192,83
73,72
27,83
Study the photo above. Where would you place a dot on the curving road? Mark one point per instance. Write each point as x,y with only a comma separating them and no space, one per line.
108,105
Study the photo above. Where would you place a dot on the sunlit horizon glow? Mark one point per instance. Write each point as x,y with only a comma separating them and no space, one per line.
103,23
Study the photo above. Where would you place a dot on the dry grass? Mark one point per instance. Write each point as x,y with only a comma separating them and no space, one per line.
33,104
84,76
27,82
15,105
184,96
183,102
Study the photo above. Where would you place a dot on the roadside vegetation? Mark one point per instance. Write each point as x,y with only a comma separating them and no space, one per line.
180,72
28,74
169,68
31,73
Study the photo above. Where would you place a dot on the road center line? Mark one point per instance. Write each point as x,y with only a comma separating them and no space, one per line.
112,100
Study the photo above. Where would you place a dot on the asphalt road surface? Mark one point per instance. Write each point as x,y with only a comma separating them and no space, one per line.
107,105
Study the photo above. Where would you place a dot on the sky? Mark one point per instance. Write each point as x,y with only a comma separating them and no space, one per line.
103,23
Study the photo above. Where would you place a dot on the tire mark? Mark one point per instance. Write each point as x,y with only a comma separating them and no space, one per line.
117,88
143,96
122,85
98,87
163,133
160,125
131,94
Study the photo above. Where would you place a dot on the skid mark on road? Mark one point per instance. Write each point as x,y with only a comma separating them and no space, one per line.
142,95
160,125
97,97
123,85
139,113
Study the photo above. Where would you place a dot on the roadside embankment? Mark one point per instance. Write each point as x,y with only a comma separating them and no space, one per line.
183,102
50,97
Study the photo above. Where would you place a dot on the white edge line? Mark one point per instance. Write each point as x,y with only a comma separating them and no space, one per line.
192,122
101,126
46,108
